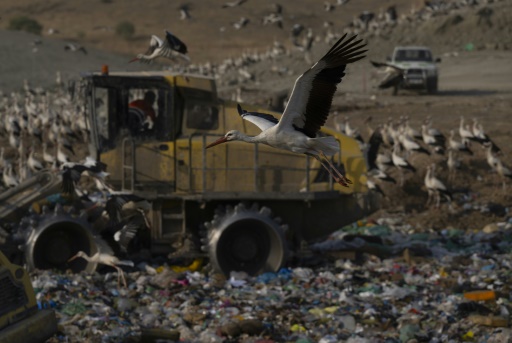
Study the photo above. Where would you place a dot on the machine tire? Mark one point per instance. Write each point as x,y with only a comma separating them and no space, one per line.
432,86
52,238
247,239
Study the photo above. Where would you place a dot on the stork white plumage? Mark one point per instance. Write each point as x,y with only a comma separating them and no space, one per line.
504,172
62,157
14,140
478,130
372,186
184,12
8,177
369,128
47,157
72,172
435,187
401,163
381,175
33,129
24,171
387,136
171,47
233,3
453,164
383,161
482,137
106,259
393,75
73,47
492,160
430,139
33,163
433,131
465,133
410,145
3,161
456,145
412,132
427,182
352,132
307,110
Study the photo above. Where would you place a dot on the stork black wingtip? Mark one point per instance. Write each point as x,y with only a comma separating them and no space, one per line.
240,110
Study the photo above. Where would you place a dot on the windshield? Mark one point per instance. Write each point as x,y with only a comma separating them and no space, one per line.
413,55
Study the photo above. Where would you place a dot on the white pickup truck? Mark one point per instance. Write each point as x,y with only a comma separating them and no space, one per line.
419,68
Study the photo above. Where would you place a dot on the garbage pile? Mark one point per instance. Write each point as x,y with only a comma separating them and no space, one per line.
369,282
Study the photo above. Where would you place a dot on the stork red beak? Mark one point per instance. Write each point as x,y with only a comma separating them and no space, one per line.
72,258
217,142
133,60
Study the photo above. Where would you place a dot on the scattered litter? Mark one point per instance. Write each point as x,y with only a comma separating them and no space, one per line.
402,286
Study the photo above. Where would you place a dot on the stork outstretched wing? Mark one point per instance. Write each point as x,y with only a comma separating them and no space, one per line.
311,98
262,120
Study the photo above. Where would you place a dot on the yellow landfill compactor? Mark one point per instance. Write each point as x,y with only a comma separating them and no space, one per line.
20,319
242,207
246,206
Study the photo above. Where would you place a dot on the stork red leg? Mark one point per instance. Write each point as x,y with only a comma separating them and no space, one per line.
120,275
339,180
342,176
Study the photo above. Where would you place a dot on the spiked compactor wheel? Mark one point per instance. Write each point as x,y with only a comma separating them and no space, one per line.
245,239
52,238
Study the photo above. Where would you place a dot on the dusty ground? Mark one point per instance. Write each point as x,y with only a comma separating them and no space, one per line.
472,83
93,23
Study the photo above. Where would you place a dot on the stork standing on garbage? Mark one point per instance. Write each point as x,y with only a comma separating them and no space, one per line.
106,259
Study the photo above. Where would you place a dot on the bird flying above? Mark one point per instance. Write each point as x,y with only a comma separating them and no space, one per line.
171,47
394,75
115,203
75,48
233,3
307,110
71,173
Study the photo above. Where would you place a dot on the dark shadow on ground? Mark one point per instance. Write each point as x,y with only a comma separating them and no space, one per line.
448,92
467,92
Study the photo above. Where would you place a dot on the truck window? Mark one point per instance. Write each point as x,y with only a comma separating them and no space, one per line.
101,105
201,116
415,55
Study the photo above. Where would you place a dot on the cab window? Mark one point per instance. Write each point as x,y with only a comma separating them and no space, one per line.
201,116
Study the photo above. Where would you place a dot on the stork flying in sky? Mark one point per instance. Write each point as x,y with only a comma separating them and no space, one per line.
171,48
307,110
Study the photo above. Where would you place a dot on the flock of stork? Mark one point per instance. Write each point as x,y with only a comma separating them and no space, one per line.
41,128
401,142
367,24
400,137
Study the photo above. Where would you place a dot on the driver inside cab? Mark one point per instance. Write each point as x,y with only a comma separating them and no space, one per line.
141,114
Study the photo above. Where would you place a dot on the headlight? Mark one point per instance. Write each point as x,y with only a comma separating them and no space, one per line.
431,72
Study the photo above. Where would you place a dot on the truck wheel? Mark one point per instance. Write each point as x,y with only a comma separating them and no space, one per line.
432,87
52,238
245,239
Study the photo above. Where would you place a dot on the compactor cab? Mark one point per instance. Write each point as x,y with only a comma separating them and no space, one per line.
229,200
121,134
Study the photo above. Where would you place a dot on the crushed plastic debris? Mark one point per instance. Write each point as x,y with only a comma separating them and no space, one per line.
446,286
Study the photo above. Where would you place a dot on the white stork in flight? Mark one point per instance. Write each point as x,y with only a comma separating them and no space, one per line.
171,48
307,110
